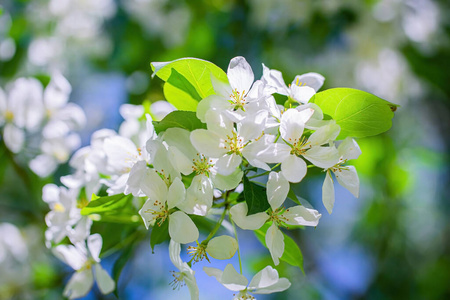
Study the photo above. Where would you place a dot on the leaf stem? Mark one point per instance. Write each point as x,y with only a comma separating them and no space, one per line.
265,173
218,224
237,240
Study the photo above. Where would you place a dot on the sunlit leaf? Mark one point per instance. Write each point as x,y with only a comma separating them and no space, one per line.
188,80
292,253
359,113
105,204
181,119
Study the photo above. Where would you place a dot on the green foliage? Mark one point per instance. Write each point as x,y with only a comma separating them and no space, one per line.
181,119
292,253
359,113
160,234
187,80
108,204
255,196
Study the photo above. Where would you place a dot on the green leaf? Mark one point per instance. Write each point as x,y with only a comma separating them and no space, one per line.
160,233
182,119
105,204
255,196
292,253
120,263
291,195
359,113
188,80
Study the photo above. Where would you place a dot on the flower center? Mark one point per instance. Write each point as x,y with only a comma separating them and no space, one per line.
277,217
234,143
159,212
243,295
299,146
201,164
9,116
178,280
198,253
238,99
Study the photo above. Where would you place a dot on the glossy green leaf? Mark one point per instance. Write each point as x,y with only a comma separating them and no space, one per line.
360,114
105,204
181,119
292,253
188,80
160,233
255,197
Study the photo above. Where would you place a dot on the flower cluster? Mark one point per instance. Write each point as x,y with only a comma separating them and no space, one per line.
39,123
174,172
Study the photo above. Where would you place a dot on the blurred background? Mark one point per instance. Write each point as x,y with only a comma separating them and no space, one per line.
391,243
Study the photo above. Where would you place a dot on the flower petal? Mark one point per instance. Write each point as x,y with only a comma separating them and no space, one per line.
277,189
328,192
324,134
349,149
293,168
301,94
313,80
79,284
229,182
275,243
94,243
222,247
104,281
300,215
348,178
291,127
252,222
176,194
228,163
264,278
182,229
13,137
208,143
323,157
240,74
281,285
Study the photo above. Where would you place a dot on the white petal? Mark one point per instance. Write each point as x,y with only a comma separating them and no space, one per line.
217,122
70,255
104,282
253,125
281,285
349,149
301,94
136,178
264,278
176,193
153,186
180,161
277,189
146,211
79,284
275,79
252,222
94,243
323,157
313,80
324,134
160,109
208,143
328,192
182,229
130,111
300,215
57,92
43,165
121,152
229,182
174,254
199,196
348,178
222,247
14,137
275,153
181,139
275,243
50,193
230,278
240,74
204,106
293,168
291,127
221,88
228,163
